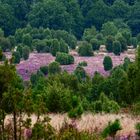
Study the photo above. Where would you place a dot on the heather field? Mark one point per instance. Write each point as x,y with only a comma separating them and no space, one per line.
93,123
95,63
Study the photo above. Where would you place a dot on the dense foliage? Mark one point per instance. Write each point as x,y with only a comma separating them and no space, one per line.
64,59
107,62
56,27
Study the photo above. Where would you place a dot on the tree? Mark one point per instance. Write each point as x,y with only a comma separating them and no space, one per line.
112,128
134,18
12,41
1,54
116,47
5,44
63,46
109,28
11,92
107,63
123,42
40,45
89,33
80,73
55,47
25,52
8,21
120,9
1,33
95,44
98,14
64,59
58,98
44,70
134,42
51,14
16,56
127,36
27,40
85,49
54,68
109,43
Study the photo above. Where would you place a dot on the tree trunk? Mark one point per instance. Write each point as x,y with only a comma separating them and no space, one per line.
20,119
15,125
3,129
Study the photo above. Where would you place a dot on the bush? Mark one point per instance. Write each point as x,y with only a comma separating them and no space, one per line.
80,72
105,105
138,37
54,68
27,40
44,70
112,128
1,54
64,58
109,43
63,46
137,126
85,49
136,109
25,52
77,109
107,63
5,44
134,42
16,56
58,98
84,64
116,47
95,44
55,47
40,45
123,43
43,130
76,112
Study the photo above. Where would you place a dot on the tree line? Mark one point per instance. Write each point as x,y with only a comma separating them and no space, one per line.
72,15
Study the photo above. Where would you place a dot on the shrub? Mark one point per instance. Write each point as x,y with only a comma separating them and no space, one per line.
116,47
80,72
136,109
25,52
100,37
44,70
109,43
16,56
138,37
137,126
112,128
40,45
42,131
123,43
1,54
27,40
105,105
134,42
54,68
83,63
63,46
55,47
5,44
64,58
76,112
95,44
85,49
107,62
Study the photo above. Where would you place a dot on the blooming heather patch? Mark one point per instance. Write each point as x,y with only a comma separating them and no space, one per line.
95,63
